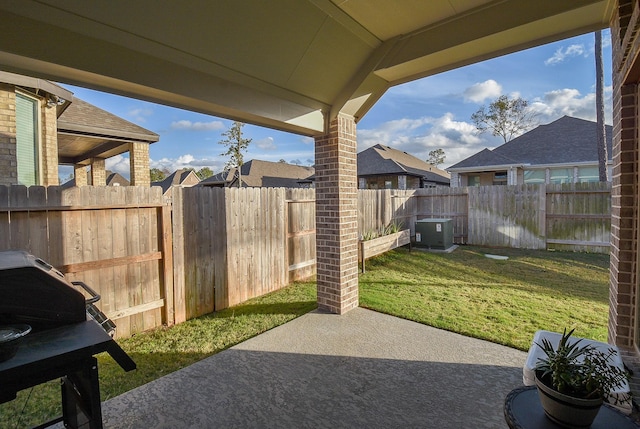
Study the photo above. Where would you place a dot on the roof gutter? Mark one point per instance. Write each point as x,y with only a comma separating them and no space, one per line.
485,168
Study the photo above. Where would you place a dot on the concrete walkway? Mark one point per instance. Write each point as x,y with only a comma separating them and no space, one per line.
359,370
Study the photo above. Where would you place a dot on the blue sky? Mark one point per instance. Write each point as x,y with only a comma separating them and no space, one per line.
435,112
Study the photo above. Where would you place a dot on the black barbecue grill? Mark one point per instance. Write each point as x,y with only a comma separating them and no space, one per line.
67,330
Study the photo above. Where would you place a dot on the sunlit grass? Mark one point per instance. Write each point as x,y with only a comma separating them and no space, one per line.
503,301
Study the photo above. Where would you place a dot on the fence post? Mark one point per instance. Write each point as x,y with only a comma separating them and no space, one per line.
179,297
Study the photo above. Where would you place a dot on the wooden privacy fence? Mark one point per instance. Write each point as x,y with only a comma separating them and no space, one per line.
234,244
115,239
378,208
575,217
162,262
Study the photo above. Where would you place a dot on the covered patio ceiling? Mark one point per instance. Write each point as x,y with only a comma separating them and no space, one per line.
286,64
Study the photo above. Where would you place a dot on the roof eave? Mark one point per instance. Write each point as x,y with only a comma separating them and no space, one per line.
485,168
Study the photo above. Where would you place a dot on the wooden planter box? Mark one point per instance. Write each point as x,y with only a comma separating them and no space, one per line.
377,246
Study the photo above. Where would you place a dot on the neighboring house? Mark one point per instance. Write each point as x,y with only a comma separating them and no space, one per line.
564,151
113,179
382,167
116,179
256,173
182,177
45,126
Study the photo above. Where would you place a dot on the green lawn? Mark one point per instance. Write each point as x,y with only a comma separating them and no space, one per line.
503,301
465,292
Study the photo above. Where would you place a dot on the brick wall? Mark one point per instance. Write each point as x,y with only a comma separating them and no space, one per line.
8,164
624,199
337,217
80,175
49,146
139,164
98,172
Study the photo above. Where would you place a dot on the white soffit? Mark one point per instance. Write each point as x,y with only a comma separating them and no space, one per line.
286,64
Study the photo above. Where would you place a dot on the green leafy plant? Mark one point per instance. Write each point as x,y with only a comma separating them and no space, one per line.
369,235
582,371
393,227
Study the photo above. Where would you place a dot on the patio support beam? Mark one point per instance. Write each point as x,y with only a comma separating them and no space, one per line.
80,174
337,217
98,172
624,269
139,164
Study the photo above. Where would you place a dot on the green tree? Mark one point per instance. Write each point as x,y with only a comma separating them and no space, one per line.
436,157
157,174
505,117
236,144
204,172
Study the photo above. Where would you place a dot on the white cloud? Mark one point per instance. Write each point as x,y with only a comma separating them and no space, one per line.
570,102
140,114
266,144
197,126
562,54
479,92
187,161
419,136
307,140
118,164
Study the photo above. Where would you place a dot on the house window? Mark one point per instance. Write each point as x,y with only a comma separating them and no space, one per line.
27,141
534,176
588,174
388,184
560,175
500,178
473,180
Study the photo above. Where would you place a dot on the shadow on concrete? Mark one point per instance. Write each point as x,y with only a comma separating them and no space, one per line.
362,369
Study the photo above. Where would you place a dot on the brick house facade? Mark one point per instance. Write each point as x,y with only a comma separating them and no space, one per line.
46,117
42,126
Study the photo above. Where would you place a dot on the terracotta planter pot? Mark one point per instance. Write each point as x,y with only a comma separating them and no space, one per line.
565,410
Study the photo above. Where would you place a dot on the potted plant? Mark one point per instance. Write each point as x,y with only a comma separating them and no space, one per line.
574,379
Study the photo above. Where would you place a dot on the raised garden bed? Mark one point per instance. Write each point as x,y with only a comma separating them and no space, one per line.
379,245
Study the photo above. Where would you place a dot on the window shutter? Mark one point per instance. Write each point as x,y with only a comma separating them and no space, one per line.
27,140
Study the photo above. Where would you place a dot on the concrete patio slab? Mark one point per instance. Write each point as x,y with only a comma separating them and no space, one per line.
359,370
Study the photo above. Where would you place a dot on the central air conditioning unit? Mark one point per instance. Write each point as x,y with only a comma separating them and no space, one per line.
434,233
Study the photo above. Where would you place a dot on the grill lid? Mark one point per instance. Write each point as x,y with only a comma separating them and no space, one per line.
33,292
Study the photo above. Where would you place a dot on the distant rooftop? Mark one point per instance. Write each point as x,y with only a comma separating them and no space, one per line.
564,141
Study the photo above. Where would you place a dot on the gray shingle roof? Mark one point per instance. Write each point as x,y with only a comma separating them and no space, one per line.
257,173
182,176
567,140
116,179
384,160
83,117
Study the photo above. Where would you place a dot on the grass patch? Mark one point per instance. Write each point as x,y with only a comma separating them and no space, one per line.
162,351
500,301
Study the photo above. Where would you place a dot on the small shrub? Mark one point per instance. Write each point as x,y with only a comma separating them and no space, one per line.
370,235
393,227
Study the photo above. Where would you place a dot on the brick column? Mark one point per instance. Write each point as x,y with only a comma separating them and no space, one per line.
8,142
98,172
624,193
80,175
139,164
49,145
337,217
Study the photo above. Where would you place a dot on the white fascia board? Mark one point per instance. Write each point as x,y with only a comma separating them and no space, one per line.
485,168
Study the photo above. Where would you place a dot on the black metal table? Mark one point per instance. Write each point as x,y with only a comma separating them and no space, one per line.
522,410
65,352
